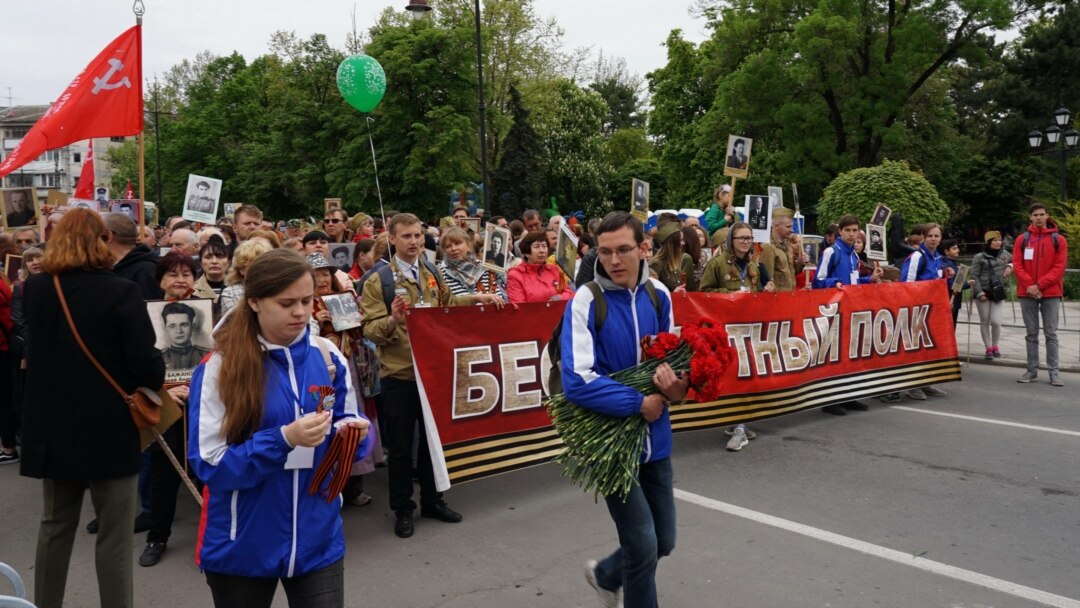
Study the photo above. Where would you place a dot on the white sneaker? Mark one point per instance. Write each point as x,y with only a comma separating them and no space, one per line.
738,440
933,391
608,599
916,394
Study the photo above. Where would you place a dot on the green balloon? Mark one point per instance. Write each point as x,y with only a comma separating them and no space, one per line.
362,82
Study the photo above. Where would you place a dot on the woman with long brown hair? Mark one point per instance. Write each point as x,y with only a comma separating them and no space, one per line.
79,434
261,411
672,265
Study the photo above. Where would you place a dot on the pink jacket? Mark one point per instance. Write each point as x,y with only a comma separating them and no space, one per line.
537,283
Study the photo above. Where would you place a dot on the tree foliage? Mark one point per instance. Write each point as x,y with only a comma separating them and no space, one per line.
517,184
893,183
577,169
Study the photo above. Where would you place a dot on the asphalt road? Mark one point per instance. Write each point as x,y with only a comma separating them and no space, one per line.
898,506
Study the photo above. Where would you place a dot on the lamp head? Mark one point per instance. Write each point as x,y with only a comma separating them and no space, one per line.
1061,117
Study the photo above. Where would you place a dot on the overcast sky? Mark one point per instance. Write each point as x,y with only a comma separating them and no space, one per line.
57,38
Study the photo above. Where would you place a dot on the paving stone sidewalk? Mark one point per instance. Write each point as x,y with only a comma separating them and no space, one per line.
1013,348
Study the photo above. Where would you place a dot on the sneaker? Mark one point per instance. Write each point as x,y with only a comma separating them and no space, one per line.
989,353
889,398
916,394
1055,380
608,599
997,352
751,435
855,406
9,457
1027,377
738,440
361,500
151,555
933,391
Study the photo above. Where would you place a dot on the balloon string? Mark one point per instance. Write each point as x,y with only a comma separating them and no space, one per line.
378,189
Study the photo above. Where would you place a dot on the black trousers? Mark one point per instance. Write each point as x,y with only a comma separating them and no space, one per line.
9,407
324,588
164,483
401,405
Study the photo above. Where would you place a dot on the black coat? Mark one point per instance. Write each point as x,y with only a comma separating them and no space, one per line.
139,266
75,425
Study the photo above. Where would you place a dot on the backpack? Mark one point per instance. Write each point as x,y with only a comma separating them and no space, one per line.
1024,239
554,347
386,279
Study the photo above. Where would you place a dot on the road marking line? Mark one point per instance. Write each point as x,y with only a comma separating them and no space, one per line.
1018,425
919,563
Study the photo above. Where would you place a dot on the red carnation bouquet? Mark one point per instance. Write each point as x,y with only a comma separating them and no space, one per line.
602,453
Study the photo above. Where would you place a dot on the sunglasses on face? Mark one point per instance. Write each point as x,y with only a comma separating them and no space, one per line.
332,220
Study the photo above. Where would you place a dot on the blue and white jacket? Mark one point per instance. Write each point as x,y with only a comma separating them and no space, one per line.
838,264
588,359
922,265
258,518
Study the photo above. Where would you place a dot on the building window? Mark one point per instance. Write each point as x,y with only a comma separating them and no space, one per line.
50,156
20,180
78,157
46,180
17,132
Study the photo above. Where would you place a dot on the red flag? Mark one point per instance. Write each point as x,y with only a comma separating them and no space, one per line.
104,100
129,194
85,189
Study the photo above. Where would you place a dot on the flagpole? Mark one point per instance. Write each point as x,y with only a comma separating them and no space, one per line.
139,10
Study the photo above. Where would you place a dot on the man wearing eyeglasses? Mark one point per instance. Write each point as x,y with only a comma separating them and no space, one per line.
637,306
335,224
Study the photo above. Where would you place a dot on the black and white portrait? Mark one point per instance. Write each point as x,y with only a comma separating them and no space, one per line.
20,207
125,207
341,255
639,199
183,331
566,250
758,213
881,215
776,197
810,248
344,314
201,199
737,161
875,246
496,248
101,194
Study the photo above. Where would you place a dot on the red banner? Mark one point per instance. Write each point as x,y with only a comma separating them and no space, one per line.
482,371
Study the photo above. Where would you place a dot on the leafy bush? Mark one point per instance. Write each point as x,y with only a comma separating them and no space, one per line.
1069,225
893,183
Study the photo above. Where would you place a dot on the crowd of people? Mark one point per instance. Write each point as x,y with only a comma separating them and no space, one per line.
284,376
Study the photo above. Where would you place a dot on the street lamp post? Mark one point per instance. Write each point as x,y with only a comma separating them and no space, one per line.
420,7
1062,144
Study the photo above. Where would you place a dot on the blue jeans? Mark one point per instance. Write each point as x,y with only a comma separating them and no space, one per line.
646,525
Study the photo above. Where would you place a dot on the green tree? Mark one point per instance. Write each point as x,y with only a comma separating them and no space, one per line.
123,161
893,183
424,129
572,129
518,182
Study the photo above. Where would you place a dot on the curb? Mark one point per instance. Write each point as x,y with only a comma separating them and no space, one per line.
1018,363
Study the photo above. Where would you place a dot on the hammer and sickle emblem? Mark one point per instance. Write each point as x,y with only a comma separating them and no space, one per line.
103,82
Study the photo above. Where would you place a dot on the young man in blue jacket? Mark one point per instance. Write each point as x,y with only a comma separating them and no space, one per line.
646,519
840,266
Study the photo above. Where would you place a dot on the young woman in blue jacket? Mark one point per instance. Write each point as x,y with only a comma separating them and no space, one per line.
257,436
926,264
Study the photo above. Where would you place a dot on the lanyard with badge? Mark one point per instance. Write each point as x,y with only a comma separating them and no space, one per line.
743,287
300,457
